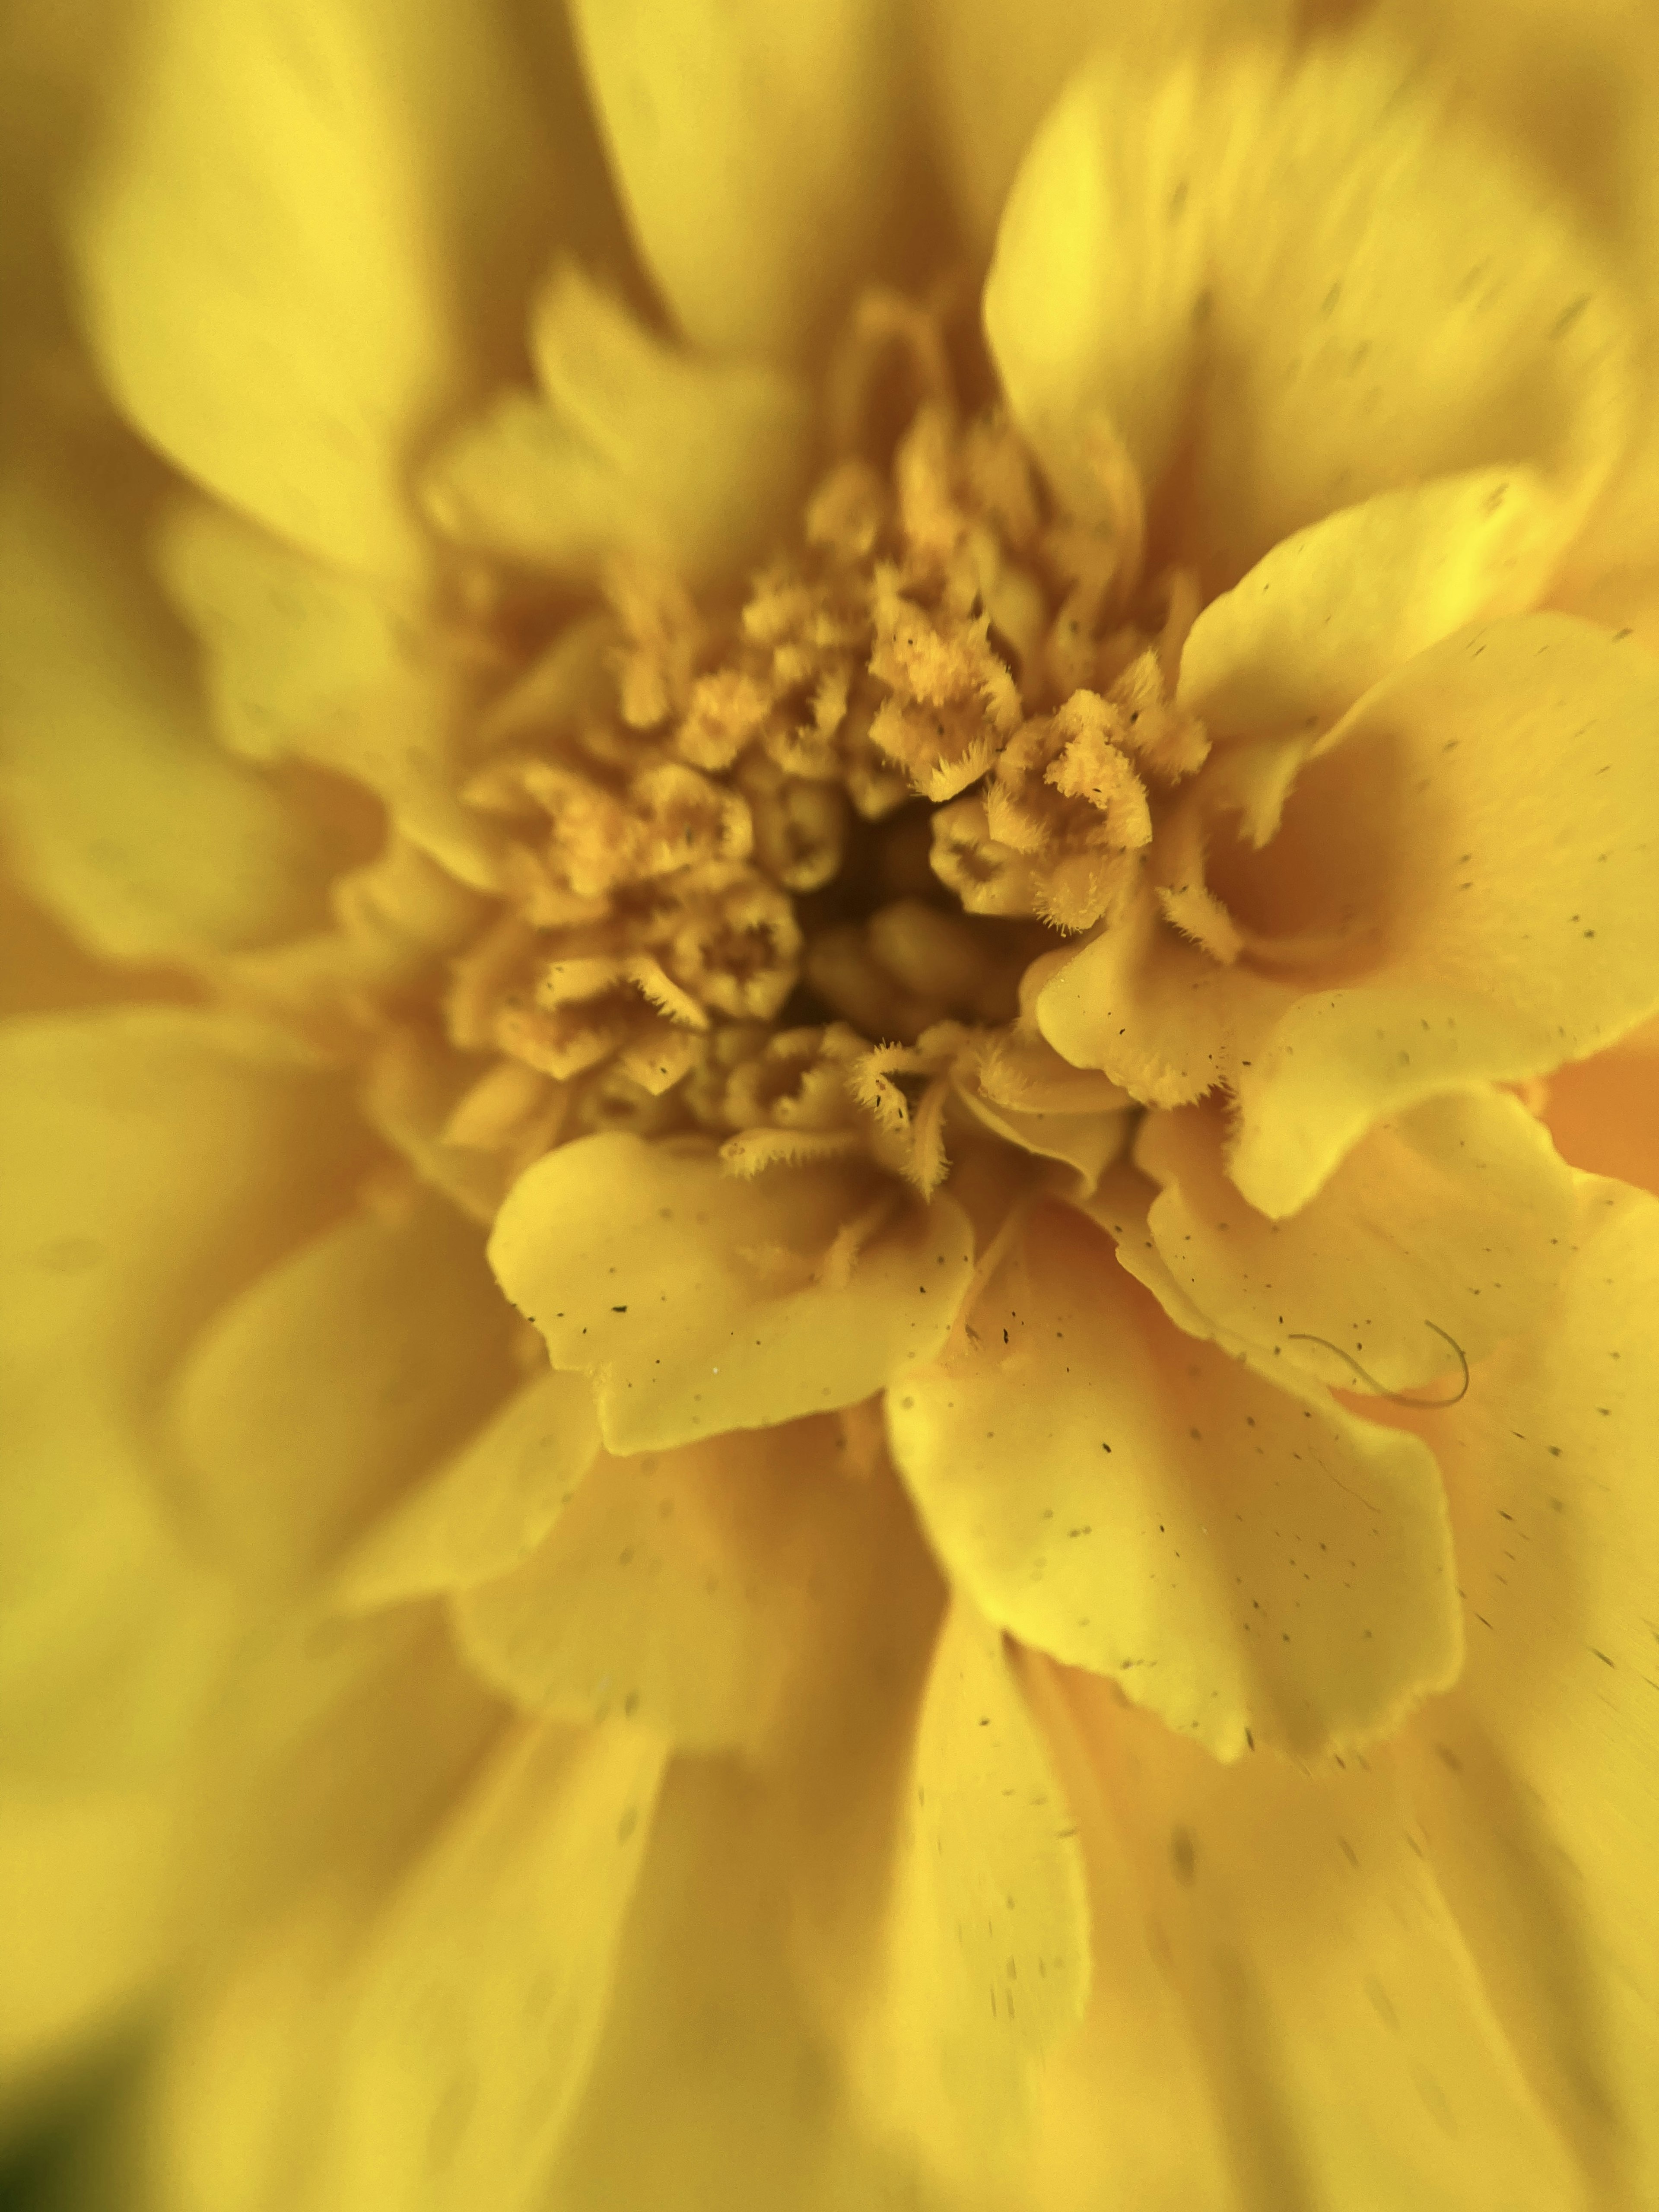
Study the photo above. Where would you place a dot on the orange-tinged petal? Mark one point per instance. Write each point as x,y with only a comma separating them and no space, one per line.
303,659
984,1955
1355,2055
313,1399
486,1509
698,1302
1259,257
993,67
687,1589
634,447
1449,1222
483,1995
127,822
759,154
1535,1777
1130,1499
303,220
155,1161
1603,1112
1333,609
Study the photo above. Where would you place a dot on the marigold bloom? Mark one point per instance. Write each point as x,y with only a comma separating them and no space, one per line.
835,1224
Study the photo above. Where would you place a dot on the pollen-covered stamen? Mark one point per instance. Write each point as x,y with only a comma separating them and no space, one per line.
860,800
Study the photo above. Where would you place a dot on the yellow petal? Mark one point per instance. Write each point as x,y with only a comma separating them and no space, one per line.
636,447
127,822
333,1752
1152,1010
994,66
984,1948
688,1590
486,1509
1534,1777
1495,806
1129,1499
1133,2082
711,2091
1311,272
1355,2055
1446,1223
84,1936
1335,607
697,1302
308,660
153,1162
759,154
483,1994
297,216
310,1401
1577,92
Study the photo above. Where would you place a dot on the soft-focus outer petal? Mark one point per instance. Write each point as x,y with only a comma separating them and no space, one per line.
1129,1499
759,153
686,1589
1355,2055
1535,1777
994,65
84,1874
312,1401
154,1163
1335,607
1451,1221
487,1509
303,215
484,1992
127,822
697,1302
1314,273
337,668
1476,843
984,1951
636,447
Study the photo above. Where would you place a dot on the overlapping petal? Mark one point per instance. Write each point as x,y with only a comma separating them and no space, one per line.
1443,1229
127,823
1534,1778
697,1302
993,67
1247,1563
984,1946
1333,609
301,660
633,446
687,1589
486,1509
760,155
1470,862
1254,261
1353,2048
480,1999
313,1400
155,1160
304,233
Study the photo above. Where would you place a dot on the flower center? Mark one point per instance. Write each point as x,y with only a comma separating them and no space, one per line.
775,865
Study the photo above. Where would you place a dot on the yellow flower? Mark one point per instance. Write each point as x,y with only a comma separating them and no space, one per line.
829,1293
